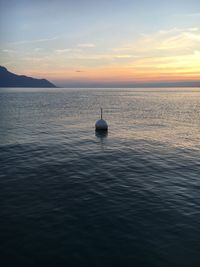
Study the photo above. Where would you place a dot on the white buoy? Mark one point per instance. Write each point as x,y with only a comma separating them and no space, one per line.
101,125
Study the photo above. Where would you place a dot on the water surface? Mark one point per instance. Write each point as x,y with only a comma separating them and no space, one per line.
70,197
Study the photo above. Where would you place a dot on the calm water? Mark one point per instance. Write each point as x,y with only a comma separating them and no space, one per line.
69,197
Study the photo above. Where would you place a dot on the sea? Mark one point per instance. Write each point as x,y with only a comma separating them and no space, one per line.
70,196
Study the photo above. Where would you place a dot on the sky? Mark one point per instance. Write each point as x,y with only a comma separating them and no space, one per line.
101,42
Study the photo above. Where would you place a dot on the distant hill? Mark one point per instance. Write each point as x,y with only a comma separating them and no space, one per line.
9,79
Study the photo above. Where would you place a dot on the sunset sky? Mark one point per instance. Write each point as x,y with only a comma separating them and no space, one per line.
107,41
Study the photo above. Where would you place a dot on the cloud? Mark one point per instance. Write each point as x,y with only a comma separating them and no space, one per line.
34,59
124,56
75,49
35,41
8,51
67,50
172,41
163,54
38,49
86,45
166,54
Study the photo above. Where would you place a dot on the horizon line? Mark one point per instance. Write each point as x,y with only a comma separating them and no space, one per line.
179,84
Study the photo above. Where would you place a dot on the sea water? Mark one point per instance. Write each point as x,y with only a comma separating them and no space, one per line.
73,197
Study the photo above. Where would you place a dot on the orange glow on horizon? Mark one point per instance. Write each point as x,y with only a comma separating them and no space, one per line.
119,75
169,56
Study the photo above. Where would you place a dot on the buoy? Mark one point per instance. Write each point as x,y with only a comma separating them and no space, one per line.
101,125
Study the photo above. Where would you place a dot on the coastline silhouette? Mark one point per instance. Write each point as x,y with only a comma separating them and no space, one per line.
9,79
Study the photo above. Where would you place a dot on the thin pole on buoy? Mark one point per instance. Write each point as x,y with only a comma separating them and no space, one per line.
101,125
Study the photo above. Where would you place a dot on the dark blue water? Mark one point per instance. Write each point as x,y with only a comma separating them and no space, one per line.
69,197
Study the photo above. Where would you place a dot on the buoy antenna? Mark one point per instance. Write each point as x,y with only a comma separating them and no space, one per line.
101,125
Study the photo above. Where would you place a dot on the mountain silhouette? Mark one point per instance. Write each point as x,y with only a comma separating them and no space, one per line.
9,79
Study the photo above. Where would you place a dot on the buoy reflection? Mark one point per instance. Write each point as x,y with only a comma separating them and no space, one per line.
101,135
